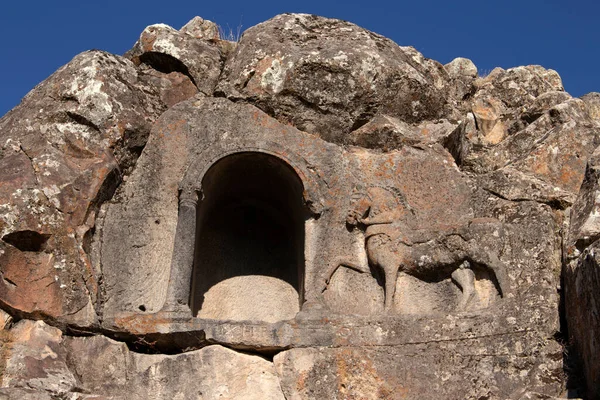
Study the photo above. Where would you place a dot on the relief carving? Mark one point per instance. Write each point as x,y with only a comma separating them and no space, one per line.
394,242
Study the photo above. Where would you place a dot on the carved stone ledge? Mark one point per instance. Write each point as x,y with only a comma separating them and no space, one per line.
329,331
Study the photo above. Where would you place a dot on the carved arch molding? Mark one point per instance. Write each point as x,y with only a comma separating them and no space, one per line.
192,195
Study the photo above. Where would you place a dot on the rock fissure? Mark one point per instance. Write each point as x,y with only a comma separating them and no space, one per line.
80,119
554,204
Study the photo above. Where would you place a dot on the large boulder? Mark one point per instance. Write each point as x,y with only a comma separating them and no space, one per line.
187,52
525,137
329,77
63,151
107,367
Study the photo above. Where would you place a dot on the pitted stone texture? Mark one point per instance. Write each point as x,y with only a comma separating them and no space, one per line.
387,133
23,394
497,107
547,159
213,372
543,161
168,50
593,104
582,275
477,368
201,28
107,367
60,154
584,227
543,103
251,298
329,77
37,359
101,365
520,85
353,292
461,68
173,87
532,248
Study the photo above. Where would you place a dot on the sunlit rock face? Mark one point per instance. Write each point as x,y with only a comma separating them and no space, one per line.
311,212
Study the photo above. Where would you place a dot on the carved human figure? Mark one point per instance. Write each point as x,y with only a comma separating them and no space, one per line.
395,243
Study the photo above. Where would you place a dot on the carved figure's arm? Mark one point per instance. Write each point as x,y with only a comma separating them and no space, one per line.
382,218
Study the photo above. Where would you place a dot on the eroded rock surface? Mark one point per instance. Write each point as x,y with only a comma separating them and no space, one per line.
347,218
36,359
582,278
419,371
63,150
329,77
250,298
169,50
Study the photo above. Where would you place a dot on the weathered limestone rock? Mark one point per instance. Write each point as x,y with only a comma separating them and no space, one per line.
559,144
521,85
592,100
487,113
426,371
101,365
582,275
107,367
386,133
353,292
461,68
537,151
213,372
383,225
582,278
498,106
463,74
251,298
168,50
329,77
173,87
37,360
5,320
23,394
58,165
201,28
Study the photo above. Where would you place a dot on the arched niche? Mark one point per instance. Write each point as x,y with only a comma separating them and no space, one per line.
249,246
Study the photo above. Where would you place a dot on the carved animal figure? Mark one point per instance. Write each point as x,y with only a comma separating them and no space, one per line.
394,243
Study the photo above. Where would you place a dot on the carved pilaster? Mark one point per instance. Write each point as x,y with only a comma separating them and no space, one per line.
182,264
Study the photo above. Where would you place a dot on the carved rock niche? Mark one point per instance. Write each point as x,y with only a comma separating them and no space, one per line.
249,251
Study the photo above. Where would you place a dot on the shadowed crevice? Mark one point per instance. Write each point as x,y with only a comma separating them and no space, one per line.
166,64
27,240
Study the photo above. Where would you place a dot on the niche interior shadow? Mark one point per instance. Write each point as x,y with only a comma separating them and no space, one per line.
250,222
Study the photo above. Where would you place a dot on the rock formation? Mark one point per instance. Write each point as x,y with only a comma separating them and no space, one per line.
313,212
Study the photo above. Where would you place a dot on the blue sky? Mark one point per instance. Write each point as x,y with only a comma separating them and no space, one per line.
40,36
